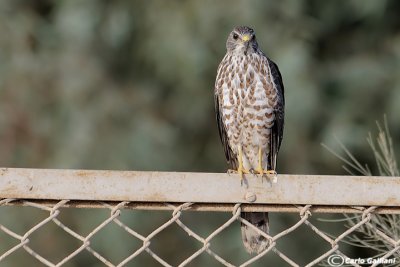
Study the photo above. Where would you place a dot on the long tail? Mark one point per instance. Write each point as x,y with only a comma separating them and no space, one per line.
253,241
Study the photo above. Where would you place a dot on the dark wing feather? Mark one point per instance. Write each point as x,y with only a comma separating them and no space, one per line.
230,156
277,128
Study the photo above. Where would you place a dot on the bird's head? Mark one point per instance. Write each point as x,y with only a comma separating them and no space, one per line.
242,40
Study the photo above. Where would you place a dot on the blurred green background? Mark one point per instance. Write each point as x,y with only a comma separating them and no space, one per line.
128,85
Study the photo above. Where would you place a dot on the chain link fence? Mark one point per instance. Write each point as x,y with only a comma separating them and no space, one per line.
13,241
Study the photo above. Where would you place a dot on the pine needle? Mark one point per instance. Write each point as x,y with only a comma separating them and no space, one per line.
367,235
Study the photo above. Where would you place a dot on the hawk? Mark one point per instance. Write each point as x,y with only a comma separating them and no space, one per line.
249,105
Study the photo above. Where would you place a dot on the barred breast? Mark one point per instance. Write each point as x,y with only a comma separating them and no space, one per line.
248,99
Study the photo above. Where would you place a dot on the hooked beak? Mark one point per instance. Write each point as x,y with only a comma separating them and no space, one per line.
246,38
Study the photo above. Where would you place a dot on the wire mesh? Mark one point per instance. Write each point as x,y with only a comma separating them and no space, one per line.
335,255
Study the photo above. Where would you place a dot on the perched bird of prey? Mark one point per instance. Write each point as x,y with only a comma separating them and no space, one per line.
249,104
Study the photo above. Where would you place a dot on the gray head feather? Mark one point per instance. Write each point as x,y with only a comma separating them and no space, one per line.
242,40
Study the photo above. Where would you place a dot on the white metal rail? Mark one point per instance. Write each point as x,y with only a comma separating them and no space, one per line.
208,190
51,190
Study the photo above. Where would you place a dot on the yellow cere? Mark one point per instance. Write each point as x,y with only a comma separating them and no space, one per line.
246,37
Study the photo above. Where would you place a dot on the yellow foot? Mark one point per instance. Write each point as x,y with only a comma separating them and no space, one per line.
271,174
242,171
239,171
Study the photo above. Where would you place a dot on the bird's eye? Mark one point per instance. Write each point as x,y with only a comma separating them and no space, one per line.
235,36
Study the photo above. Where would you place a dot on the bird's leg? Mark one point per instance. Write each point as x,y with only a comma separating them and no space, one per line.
260,169
241,170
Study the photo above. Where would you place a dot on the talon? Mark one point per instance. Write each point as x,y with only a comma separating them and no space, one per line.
253,171
238,171
230,171
270,172
242,171
273,175
267,172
